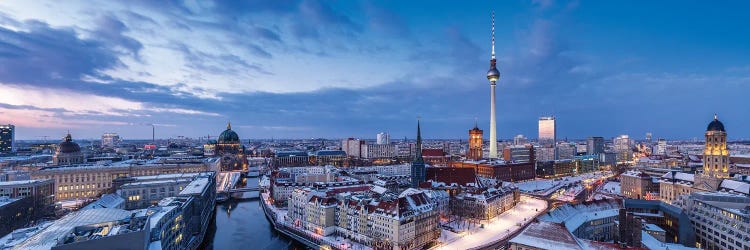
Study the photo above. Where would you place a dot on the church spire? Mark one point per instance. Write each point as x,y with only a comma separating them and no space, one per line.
418,157
229,125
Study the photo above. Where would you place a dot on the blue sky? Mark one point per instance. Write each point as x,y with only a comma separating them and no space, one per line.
303,69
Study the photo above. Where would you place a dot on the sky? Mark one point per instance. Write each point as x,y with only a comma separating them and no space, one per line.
335,69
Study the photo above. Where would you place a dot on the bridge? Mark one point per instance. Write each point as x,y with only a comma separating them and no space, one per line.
243,189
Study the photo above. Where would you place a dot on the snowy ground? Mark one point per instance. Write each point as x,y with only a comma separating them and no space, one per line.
496,229
611,187
546,187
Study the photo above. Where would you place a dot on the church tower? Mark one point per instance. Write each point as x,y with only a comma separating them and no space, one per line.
715,158
418,171
475,143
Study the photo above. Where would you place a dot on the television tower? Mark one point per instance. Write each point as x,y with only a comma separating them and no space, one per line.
493,75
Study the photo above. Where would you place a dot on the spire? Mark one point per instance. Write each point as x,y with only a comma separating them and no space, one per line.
716,117
476,126
493,35
229,125
419,143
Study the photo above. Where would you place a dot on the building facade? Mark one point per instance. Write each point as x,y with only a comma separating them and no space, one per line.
722,221
88,181
7,138
715,158
68,152
639,185
595,145
476,141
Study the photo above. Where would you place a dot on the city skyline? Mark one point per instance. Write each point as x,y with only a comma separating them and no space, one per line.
598,70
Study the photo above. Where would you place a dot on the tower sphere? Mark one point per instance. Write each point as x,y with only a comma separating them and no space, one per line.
493,74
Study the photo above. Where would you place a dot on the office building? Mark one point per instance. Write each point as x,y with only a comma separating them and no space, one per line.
721,220
547,131
110,139
7,138
374,151
178,222
544,153
144,191
661,147
24,201
383,138
565,150
519,153
520,140
85,181
353,147
623,148
595,145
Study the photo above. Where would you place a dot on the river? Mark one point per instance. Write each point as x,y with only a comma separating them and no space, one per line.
241,224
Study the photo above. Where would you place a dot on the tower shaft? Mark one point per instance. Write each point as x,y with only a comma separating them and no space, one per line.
493,128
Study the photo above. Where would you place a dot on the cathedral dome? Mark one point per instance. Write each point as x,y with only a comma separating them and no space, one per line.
68,146
229,136
716,125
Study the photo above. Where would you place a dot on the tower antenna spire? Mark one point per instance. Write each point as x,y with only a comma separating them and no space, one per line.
493,34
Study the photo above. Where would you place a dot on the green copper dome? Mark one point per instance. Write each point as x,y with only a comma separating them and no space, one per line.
229,136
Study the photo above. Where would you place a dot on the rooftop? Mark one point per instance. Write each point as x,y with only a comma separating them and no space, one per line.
195,187
49,236
546,235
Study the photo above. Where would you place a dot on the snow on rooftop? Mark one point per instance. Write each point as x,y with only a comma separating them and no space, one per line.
48,237
679,176
501,226
106,201
652,243
736,186
195,187
546,235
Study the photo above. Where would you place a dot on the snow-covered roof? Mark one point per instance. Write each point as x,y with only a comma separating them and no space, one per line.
47,238
106,201
546,235
736,186
679,176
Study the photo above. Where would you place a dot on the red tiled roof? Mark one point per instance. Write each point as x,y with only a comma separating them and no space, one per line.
449,175
427,152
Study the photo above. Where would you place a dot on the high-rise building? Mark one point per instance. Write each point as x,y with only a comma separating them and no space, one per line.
353,147
661,147
595,145
110,139
544,153
475,143
648,137
418,172
7,138
520,140
547,131
715,158
565,150
493,75
384,138
623,148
